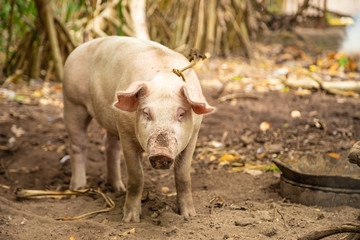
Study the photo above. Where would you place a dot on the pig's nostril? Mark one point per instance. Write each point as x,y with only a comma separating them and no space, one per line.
161,162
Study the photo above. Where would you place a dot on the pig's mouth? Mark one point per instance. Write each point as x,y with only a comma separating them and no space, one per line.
161,161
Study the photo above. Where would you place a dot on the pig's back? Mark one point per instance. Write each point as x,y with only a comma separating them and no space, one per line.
96,70
77,75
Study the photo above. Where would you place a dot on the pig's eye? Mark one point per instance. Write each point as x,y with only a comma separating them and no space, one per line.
147,115
181,114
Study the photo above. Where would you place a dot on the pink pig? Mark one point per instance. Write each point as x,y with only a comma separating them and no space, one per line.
128,86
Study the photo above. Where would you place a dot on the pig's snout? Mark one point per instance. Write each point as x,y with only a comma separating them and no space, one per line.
161,161
162,149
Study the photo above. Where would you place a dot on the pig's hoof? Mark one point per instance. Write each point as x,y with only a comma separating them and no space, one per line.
132,214
74,186
131,217
188,212
118,187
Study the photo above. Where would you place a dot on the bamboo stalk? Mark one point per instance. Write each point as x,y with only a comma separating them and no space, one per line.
210,31
36,58
137,13
10,29
179,24
251,20
200,25
220,29
46,16
19,64
127,17
241,31
65,32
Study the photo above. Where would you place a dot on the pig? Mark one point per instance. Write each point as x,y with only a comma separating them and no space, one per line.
128,86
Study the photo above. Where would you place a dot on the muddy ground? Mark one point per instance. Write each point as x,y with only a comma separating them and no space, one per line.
230,205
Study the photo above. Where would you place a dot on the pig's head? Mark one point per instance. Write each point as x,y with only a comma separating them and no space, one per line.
165,116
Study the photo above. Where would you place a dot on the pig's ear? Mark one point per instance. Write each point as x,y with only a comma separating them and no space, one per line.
128,100
196,100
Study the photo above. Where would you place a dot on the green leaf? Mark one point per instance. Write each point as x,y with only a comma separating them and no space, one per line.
272,168
237,77
286,89
19,97
343,61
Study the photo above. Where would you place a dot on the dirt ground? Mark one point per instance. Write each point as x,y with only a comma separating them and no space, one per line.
230,204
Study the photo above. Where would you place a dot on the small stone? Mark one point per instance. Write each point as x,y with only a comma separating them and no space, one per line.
226,236
320,216
245,222
269,231
235,207
274,148
295,114
265,216
156,221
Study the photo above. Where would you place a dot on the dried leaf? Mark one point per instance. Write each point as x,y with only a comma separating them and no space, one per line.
228,158
334,155
165,190
212,158
37,93
131,231
18,131
57,88
313,68
253,172
4,148
333,70
216,144
60,148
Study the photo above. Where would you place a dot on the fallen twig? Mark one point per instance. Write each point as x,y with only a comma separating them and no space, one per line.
282,216
30,194
131,231
349,227
236,96
344,88
5,186
217,201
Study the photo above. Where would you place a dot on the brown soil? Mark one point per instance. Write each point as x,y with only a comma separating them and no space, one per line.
235,205
246,206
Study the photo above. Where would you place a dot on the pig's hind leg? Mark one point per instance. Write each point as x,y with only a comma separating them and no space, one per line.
112,145
76,120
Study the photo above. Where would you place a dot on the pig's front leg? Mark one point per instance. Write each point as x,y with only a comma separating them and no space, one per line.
112,144
183,179
132,153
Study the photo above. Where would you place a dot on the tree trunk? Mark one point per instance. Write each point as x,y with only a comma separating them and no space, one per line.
46,18
10,29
